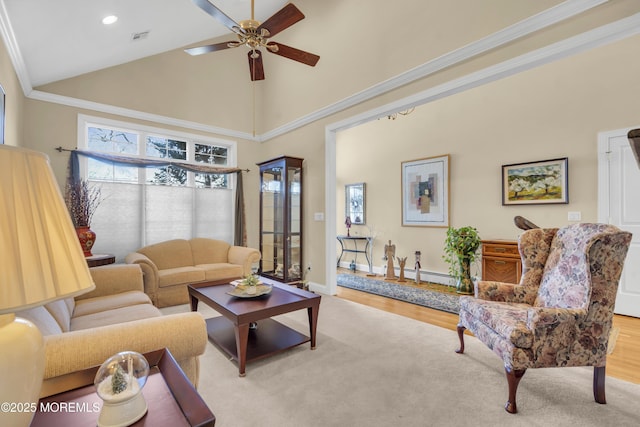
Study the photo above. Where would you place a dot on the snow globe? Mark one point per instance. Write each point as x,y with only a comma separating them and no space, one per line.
119,383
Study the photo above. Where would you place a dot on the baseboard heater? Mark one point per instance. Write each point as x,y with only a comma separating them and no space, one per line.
634,140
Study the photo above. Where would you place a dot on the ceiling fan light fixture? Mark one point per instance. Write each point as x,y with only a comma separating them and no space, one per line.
108,20
249,24
253,34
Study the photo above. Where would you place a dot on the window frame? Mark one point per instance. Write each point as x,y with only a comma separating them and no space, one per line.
143,131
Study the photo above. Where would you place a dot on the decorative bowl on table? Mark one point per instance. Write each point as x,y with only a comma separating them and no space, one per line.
249,287
249,291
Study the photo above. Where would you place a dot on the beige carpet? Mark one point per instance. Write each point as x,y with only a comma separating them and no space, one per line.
373,368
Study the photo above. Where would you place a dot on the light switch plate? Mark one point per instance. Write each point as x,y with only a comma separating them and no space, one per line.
318,216
574,216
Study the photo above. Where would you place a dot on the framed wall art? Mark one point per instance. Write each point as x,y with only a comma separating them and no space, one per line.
534,183
425,192
354,203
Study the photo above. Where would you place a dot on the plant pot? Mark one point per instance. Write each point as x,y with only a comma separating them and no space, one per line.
87,238
465,284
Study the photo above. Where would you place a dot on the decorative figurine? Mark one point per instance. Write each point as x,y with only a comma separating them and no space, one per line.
417,266
348,224
390,253
352,266
401,263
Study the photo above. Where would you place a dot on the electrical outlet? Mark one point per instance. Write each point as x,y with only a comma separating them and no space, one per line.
574,216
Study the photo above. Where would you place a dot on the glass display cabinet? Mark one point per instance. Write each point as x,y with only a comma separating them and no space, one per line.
281,219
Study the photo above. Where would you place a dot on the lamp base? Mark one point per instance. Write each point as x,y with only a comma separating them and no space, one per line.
21,369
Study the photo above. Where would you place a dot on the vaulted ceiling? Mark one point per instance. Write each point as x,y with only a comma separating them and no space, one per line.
64,38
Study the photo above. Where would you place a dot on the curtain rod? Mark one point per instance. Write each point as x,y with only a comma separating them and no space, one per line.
60,149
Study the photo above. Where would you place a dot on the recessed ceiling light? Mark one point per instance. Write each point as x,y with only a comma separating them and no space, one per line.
108,20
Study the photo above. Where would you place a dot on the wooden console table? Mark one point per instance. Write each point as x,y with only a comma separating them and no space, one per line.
501,261
368,247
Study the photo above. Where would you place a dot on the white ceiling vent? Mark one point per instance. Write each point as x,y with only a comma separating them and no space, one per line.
139,36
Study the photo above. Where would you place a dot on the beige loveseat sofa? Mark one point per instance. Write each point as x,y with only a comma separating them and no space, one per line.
115,317
170,266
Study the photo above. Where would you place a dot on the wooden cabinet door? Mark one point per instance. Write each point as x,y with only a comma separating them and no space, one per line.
501,261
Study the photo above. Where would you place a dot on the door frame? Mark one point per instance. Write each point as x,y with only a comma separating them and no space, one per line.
604,183
604,200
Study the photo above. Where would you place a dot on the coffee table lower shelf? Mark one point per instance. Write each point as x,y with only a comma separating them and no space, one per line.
270,337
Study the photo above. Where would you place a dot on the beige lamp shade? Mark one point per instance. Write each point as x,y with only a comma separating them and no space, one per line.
40,255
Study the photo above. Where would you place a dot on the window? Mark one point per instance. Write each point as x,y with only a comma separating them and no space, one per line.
142,206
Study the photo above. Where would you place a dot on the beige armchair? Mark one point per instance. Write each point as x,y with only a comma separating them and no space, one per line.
560,314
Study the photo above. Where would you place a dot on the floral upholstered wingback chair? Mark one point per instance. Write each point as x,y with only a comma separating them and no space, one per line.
561,312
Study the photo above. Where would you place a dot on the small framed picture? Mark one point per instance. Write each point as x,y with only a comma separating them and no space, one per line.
355,202
425,192
535,183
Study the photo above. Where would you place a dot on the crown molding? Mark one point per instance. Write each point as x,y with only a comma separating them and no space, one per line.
600,36
521,29
6,31
509,34
136,114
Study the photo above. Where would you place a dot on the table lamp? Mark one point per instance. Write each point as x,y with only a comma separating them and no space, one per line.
40,261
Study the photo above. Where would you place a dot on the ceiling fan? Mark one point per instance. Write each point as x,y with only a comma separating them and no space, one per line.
253,34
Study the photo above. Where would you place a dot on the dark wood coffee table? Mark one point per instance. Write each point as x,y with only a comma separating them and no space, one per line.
231,332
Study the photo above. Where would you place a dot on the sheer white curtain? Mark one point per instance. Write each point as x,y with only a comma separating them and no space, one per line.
133,215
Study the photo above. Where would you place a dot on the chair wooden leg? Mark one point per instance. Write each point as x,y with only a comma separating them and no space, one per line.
513,379
598,384
461,337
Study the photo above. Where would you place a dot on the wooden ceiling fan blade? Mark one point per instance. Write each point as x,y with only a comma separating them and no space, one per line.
208,48
255,65
212,10
282,19
296,54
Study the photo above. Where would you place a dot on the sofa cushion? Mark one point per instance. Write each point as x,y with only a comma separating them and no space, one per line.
169,254
115,316
60,311
221,271
209,251
180,275
97,304
42,318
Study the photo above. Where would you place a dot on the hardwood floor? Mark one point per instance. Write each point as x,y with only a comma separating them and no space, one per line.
623,363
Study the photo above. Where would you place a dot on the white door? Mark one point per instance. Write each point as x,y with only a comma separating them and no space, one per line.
619,205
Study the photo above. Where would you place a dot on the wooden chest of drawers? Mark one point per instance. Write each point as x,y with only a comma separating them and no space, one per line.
501,261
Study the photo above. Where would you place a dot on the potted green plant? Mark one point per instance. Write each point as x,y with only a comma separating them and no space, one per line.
460,250
82,201
251,282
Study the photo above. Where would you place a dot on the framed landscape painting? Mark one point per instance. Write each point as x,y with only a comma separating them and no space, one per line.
534,183
425,192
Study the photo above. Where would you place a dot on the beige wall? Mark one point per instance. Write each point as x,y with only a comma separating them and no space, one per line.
14,101
552,111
